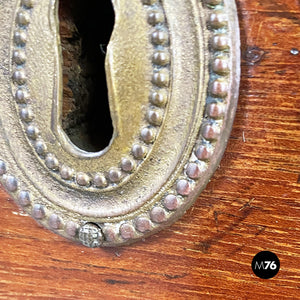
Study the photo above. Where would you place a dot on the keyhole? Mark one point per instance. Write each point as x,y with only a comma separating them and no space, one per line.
85,30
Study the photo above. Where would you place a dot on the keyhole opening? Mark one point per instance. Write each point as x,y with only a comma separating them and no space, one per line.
85,30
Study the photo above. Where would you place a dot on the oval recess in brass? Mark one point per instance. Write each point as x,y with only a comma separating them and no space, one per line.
173,70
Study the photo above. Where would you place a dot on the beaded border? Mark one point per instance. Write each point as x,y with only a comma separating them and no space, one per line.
154,117
95,235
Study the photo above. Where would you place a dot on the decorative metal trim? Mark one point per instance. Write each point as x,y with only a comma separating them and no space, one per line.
192,51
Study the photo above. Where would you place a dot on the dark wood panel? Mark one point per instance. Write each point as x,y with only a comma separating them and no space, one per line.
251,204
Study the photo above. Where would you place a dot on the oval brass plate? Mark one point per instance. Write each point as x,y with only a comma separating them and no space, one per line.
172,70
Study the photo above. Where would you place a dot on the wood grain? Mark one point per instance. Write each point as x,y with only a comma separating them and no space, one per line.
251,204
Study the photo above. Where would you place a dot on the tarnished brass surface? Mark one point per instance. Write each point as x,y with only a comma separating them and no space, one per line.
172,73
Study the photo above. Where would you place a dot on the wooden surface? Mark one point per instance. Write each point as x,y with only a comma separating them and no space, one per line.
251,204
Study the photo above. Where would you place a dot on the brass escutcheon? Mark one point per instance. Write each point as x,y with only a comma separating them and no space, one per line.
173,69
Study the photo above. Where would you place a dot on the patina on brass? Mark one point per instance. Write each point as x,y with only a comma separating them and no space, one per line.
172,73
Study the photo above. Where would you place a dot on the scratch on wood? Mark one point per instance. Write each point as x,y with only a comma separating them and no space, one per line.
113,281
170,276
248,204
117,254
216,218
260,228
205,245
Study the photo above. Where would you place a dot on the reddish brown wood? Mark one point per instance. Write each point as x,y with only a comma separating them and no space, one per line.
251,204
